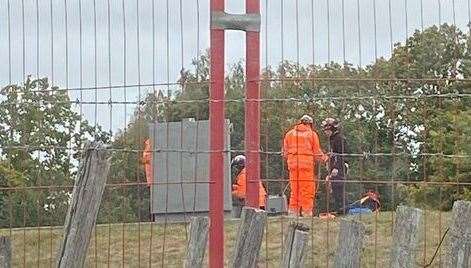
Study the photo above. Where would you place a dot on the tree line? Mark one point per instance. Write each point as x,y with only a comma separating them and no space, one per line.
407,120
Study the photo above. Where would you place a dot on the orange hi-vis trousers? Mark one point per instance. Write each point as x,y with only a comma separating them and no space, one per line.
303,190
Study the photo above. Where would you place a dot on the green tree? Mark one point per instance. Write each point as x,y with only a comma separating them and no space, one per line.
392,115
431,63
41,137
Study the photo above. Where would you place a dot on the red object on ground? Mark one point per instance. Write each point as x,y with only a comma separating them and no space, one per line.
327,216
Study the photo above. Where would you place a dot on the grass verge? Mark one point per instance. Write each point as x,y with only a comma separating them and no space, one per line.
159,244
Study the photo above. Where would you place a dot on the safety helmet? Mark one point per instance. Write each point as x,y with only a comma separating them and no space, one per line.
330,124
306,119
239,160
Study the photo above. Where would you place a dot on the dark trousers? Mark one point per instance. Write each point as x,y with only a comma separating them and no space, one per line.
338,194
237,205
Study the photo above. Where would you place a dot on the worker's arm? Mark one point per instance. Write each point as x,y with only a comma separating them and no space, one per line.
235,188
285,147
237,191
345,149
316,148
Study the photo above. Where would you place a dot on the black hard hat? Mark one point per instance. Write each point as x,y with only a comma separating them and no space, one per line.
330,124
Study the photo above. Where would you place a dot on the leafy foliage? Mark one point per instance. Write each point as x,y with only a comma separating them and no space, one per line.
41,136
406,119
395,124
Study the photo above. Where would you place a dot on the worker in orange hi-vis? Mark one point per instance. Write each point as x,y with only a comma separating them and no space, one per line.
239,188
147,161
301,149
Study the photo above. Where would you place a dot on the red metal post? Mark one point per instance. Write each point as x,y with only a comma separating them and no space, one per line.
216,137
252,108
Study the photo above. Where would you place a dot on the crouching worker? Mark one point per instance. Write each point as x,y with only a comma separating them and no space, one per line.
368,203
239,186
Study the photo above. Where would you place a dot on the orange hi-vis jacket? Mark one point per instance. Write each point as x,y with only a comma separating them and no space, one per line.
147,160
239,189
301,147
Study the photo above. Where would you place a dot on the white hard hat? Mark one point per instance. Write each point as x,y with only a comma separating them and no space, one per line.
307,119
238,161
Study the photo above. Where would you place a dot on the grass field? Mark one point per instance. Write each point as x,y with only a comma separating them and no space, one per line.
163,245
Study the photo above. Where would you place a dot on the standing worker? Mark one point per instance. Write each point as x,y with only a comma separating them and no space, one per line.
337,165
301,148
239,187
147,161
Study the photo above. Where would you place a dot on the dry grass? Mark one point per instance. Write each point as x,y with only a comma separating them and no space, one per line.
37,247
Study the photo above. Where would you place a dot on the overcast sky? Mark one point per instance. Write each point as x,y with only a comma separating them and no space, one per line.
370,29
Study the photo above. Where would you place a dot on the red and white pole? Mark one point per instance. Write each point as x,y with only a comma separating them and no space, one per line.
250,23
252,108
216,137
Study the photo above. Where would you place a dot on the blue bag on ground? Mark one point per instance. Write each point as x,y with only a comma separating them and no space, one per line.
367,204
354,211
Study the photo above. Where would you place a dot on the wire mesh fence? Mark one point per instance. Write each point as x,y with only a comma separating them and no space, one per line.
395,74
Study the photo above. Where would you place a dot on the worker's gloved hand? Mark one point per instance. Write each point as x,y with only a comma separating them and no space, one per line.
326,157
334,172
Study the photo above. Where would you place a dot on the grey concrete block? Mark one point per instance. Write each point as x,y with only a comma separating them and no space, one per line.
276,204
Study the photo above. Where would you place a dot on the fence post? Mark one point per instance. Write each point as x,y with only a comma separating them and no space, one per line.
349,244
216,141
83,209
249,238
295,244
199,229
459,236
405,236
5,252
252,105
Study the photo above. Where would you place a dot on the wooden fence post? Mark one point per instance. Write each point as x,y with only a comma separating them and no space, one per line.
406,236
5,252
458,249
295,245
249,238
199,229
349,244
83,209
